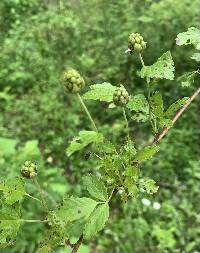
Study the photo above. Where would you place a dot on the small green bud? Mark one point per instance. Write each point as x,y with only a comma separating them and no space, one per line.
136,43
29,169
120,97
73,81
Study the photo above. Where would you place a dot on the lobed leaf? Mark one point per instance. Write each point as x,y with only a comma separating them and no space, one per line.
96,221
95,187
102,92
163,68
84,138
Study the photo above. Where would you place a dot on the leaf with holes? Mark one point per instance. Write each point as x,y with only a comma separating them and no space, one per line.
150,186
138,103
163,68
13,190
191,36
10,222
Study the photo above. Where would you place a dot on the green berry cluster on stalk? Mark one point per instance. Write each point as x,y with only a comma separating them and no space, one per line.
120,97
136,43
73,81
29,169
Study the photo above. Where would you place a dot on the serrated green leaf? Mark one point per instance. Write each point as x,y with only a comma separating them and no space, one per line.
163,68
132,173
13,190
150,186
165,123
10,223
187,79
95,187
140,117
102,92
191,36
85,138
74,208
175,107
157,105
132,188
106,146
146,153
138,103
96,221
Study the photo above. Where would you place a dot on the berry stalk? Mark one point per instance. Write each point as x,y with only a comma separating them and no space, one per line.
87,112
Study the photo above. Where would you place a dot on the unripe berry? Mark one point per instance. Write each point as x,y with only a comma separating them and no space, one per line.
136,43
120,97
29,169
73,81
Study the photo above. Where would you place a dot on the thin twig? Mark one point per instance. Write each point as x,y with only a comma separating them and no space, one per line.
176,117
77,244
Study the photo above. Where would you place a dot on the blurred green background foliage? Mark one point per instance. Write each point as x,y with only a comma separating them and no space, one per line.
40,39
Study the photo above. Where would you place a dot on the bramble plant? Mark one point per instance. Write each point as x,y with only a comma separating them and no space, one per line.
119,164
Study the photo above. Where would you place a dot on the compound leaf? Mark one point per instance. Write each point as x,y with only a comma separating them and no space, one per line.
96,220
163,68
102,92
95,187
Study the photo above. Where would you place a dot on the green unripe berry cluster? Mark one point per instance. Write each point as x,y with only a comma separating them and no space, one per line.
136,42
73,81
29,169
120,97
